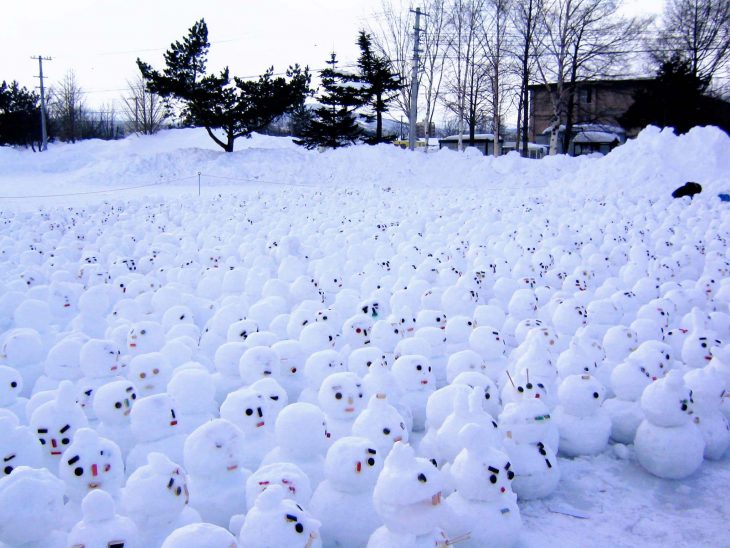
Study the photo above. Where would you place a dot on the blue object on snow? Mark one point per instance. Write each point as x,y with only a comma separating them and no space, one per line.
724,197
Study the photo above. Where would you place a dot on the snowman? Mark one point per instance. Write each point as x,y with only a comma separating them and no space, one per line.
416,379
18,446
258,362
100,363
341,398
381,424
56,421
200,535
150,373
144,337
317,367
23,349
273,393
112,406
155,429
193,392
668,442
33,497
249,411
618,343
216,479
156,498
89,463
351,470
491,346
227,377
708,392
11,385
62,363
583,424
277,521
527,428
407,497
484,504
291,366
287,475
301,438
465,360
101,526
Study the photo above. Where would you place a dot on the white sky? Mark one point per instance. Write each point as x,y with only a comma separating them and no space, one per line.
101,39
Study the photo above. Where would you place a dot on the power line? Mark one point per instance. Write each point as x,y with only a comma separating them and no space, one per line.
44,131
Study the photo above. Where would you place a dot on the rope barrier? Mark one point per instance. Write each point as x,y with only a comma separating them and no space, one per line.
96,191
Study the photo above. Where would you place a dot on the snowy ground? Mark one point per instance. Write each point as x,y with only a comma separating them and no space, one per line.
432,200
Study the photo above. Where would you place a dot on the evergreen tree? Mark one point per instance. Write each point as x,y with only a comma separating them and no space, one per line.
237,107
20,115
334,122
676,99
381,85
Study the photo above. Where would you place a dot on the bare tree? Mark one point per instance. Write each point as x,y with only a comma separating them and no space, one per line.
497,57
435,45
67,105
583,39
392,36
525,22
699,31
468,75
100,124
145,110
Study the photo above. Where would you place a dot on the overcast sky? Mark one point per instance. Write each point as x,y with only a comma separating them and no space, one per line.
100,39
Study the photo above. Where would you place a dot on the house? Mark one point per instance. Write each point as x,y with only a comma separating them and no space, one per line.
482,141
599,104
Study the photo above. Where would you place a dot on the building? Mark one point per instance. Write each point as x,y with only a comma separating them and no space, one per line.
482,141
599,105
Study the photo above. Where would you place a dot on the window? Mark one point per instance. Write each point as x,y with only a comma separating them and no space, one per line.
585,96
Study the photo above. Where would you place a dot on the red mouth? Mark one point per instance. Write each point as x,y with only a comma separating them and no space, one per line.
358,467
232,467
708,358
66,305
436,499
173,423
349,409
424,381
55,452
259,424
502,489
132,345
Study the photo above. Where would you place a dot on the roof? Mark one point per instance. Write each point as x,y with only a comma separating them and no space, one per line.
587,127
465,137
606,82
596,137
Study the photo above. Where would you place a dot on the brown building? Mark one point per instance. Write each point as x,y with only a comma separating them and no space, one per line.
598,107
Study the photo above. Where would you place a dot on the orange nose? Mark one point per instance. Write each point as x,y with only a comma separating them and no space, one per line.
53,443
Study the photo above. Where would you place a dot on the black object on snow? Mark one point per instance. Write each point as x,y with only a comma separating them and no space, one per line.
687,189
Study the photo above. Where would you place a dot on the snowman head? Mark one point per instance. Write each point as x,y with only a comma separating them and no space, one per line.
100,358
63,359
227,358
356,331
258,362
525,421
353,464
363,360
150,373
18,446
199,534
282,521
386,334
381,423
463,361
153,418
581,395
11,385
431,318
157,492
91,462
21,347
668,402
113,402
341,396
214,449
619,341
247,409
488,342
301,430
414,373
240,331
144,337
192,389
321,364
56,421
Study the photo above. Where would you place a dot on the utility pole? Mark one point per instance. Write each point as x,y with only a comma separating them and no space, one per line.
44,132
412,118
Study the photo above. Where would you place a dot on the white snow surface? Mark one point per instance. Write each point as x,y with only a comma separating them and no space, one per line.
607,500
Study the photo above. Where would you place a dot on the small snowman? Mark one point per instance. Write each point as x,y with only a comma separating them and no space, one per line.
11,385
112,406
708,392
56,421
18,446
193,391
583,424
199,535
216,479
156,498
484,503
276,521
416,379
258,362
288,475
381,423
527,427
62,363
247,409
317,367
351,470
291,366
101,526
407,497
33,497
150,373
301,438
23,349
341,398
668,442
155,429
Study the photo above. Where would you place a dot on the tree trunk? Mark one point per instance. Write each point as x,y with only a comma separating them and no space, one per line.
224,146
571,98
379,119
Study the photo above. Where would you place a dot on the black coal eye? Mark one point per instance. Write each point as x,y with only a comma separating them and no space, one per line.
520,389
704,345
595,395
299,528
487,395
118,405
371,461
338,396
386,431
65,441
79,471
13,384
143,332
134,396
493,478
249,412
684,407
422,478
529,386
369,364
419,367
510,474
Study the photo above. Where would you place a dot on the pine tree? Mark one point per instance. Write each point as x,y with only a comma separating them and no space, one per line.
333,123
237,107
381,85
20,115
